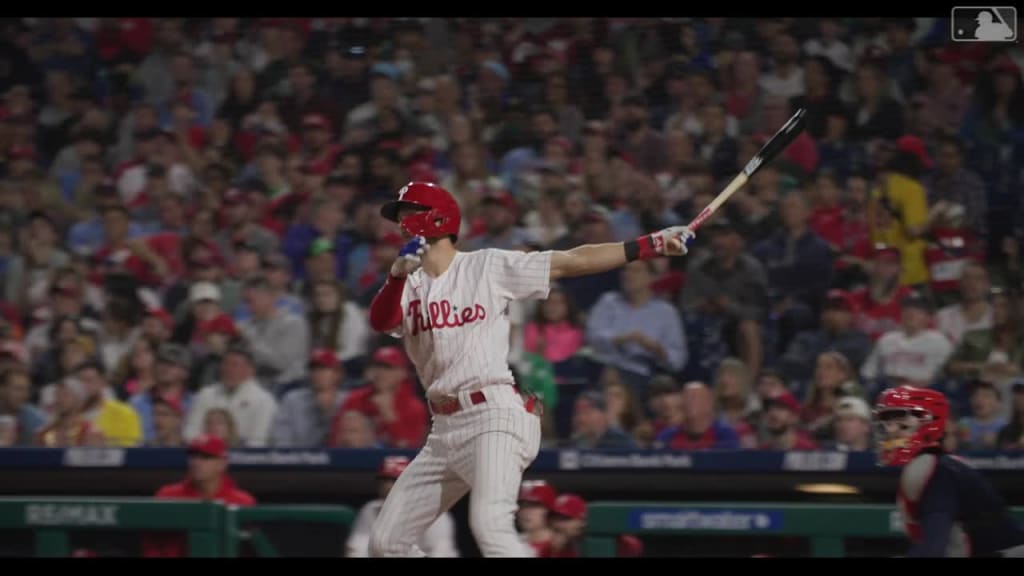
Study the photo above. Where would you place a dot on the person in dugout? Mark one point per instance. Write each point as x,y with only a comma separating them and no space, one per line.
948,508
536,500
208,481
568,521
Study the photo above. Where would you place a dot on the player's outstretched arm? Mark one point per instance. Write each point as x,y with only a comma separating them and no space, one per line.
596,258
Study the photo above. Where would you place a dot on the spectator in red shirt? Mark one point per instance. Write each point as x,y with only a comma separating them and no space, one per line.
700,430
568,521
781,418
207,481
878,304
400,417
122,253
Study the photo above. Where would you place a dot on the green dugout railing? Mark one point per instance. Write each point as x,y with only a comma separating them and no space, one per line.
825,526
213,530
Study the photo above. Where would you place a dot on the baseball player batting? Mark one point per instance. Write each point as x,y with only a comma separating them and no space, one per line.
450,308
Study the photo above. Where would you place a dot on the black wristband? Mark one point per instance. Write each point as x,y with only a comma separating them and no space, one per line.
632,249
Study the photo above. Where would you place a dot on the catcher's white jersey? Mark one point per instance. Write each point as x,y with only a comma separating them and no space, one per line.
456,326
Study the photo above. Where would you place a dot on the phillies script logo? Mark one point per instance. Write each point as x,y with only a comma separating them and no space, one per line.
442,315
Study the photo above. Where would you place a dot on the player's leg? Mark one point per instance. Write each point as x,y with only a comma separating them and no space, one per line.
493,463
425,489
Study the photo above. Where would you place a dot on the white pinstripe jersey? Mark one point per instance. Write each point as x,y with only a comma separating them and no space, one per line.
456,326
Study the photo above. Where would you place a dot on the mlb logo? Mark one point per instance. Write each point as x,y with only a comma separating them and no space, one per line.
984,24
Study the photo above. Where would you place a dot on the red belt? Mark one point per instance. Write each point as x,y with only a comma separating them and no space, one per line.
450,404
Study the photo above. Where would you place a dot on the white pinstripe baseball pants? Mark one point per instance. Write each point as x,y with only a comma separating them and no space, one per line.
482,449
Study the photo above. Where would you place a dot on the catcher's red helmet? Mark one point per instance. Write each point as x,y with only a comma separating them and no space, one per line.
439,214
538,492
929,407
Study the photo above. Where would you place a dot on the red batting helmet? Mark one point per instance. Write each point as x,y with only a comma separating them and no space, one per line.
537,492
929,407
439,214
392,467
570,506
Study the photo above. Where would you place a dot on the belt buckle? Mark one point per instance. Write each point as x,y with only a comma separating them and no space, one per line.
447,405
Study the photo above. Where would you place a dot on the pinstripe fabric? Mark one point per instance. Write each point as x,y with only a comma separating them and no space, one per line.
456,332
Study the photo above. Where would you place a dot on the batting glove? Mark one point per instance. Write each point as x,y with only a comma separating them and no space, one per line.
410,257
671,241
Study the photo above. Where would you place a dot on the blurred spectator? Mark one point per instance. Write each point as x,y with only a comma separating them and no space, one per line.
220,423
27,274
728,288
592,428
68,425
136,372
841,222
980,430
787,78
878,304
595,228
898,213
241,394
953,184
876,113
337,322
305,415
636,333
170,385
279,340
1011,437
735,401
499,213
834,378
208,481
781,425
354,430
996,352
115,420
700,429
325,221
211,339
837,333
568,519
168,416
438,540
277,271
398,414
913,354
26,419
555,331
951,248
118,333
157,325
973,312
664,404
851,426
624,410
536,500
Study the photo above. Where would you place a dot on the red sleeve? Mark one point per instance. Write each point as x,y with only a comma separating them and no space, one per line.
386,307
410,428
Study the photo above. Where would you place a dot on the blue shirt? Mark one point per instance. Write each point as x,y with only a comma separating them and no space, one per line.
800,268
296,246
614,316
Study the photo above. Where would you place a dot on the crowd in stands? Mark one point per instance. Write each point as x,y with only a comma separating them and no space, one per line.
190,233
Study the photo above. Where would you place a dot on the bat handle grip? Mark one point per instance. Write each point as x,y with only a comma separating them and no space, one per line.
698,221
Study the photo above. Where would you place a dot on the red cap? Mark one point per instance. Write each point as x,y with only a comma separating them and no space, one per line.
220,324
786,400
162,314
422,172
323,358
208,445
629,546
570,506
840,299
392,467
915,146
389,356
537,492
502,198
172,403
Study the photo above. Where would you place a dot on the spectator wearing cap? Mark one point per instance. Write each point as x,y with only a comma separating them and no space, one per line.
211,339
951,247
304,418
68,425
914,354
168,416
568,520
834,378
898,212
338,323
726,288
173,364
500,212
838,332
277,269
241,226
851,426
635,332
437,542
973,311
592,429
28,272
536,499
279,340
239,392
325,222
995,353
781,426
207,480
799,267
126,254
700,429
953,184
980,430
878,303
1011,437
398,414
203,264
319,153
157,325
15,391
116,421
